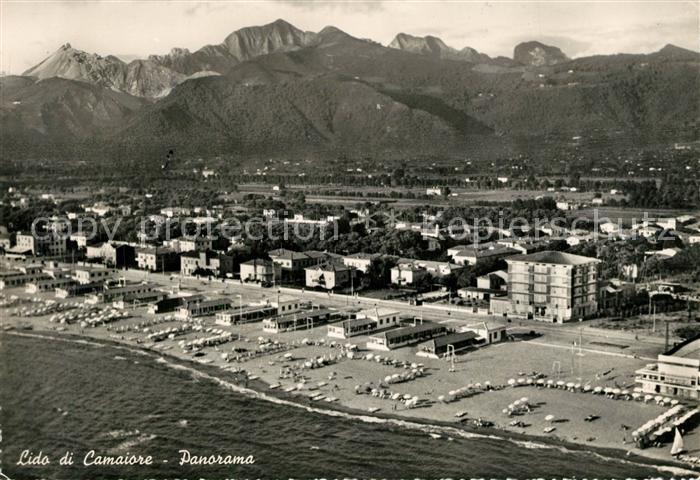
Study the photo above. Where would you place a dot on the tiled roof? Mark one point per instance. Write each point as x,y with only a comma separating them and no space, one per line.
554,257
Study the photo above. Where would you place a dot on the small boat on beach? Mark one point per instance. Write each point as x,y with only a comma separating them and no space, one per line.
435,436
373,409
275,385
678,446
460,414
549,429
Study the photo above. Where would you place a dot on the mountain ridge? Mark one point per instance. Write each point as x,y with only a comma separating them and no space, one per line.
332,92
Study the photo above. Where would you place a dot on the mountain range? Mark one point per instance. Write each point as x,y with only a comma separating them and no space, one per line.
276,89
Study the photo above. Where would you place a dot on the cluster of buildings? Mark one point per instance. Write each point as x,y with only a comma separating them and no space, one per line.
676,372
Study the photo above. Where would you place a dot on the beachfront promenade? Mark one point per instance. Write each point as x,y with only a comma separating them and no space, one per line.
612,342
606,359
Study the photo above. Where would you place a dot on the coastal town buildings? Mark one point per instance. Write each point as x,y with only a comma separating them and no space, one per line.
676,372
259,270
44,244
365,322
118,255
157,259
476,253
448,344
205,262
409,271
553,286
292,263
88,275
328,276
21,275
362,262
399,337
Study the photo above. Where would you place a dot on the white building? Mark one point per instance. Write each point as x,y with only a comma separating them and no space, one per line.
361,261
676,372
87,275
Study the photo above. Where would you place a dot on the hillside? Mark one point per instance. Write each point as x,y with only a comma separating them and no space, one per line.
328,114
278,90
57,111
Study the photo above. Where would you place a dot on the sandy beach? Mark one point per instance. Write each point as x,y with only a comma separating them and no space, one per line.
334,384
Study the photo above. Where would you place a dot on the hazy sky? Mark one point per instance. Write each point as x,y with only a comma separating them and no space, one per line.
31,30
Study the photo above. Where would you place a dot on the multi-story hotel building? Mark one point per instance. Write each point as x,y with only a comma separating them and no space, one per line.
553,286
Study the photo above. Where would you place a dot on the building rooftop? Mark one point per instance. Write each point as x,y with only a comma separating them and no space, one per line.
454,338
257,262
687,349
553,257
287,254
382,312
329,267
364,256
472,251
420,328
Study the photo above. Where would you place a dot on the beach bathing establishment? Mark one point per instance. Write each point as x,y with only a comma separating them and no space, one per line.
200,307
447,344
676,372
301,320
366,322
403,336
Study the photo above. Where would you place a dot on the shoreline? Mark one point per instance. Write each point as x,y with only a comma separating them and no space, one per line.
260,389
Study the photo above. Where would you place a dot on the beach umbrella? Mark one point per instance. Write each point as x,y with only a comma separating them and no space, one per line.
288,355
636,395
616,391
516,403
511,382
530,381
521,381
369,356
577,386
441,398
452,393
407,397
637,389
540,381
560,383
414,365
549,418
550,382
378,358
658,398
505,410
647,398
570,385
586,388
477,385
487,383
387,379
674,402
597,389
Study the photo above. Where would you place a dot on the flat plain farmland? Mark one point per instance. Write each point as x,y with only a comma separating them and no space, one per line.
628,215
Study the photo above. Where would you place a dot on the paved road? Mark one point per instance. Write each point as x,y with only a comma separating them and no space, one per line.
615,342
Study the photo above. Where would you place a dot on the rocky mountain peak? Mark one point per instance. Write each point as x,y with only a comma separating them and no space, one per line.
538,54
